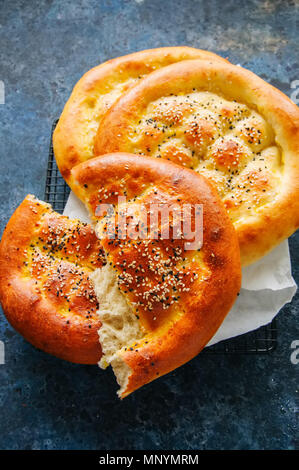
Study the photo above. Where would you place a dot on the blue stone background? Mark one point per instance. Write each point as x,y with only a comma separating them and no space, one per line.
214,402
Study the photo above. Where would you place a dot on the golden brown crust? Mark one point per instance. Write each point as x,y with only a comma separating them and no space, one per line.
180,297
244,136
97,90
45,292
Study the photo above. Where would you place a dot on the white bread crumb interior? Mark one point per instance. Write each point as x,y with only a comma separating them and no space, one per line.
120,327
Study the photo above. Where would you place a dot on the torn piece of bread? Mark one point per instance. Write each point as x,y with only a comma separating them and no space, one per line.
45,289
98,90
160,299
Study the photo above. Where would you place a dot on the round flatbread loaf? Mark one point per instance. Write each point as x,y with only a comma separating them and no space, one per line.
161,299
227,124
97,90
45,291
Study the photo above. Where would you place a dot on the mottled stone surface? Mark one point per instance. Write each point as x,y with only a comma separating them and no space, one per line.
214,402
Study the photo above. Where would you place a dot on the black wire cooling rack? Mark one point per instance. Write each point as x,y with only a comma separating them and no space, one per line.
262,340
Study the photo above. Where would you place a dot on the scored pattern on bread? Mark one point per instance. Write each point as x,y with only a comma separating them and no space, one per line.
227,124
226,141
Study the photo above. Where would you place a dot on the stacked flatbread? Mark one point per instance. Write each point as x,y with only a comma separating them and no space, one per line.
171,127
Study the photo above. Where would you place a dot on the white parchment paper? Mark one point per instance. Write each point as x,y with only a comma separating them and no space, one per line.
267,286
